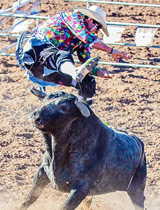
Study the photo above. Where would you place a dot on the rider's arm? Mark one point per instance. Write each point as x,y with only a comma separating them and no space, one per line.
115,53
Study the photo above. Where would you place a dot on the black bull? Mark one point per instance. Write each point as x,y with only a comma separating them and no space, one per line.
85,157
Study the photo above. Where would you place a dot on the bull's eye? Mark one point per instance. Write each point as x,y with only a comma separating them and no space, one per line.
63,109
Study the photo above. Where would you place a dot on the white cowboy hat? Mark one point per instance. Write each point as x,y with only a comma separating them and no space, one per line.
96,13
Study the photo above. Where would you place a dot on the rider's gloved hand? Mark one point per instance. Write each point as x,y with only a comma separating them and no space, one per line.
104,74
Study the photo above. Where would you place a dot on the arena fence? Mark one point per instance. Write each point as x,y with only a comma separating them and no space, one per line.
36,17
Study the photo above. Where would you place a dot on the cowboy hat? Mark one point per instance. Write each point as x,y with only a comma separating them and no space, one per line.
97,14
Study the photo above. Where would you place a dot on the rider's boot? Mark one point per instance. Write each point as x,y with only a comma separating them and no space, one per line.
85,100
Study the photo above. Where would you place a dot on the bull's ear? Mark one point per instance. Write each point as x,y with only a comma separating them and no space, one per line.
82,108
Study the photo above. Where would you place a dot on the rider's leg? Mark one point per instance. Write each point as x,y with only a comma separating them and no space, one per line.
86,89
78,73
62,64
68,68
65,64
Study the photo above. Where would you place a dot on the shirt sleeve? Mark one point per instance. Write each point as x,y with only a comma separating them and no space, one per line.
75,22
83,53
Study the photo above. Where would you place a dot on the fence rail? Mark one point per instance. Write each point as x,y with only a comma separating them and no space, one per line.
46,17
127,64
15,7
133,24
117,3
24,16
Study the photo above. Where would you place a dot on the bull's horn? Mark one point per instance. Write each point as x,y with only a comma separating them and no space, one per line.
82,108
37,93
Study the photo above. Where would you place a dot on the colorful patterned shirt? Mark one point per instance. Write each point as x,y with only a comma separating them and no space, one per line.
67,31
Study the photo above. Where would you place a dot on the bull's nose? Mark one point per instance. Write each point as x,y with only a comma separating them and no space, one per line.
38,122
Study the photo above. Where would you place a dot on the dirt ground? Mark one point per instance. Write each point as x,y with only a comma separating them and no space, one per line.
131,101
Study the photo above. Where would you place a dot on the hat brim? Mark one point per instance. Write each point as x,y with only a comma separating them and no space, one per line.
94,16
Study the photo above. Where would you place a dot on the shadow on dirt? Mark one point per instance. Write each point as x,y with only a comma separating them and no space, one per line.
8,65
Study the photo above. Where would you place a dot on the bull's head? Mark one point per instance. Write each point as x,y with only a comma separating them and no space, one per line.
58,110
